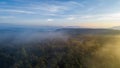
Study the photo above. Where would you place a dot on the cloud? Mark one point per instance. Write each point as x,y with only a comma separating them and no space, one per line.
56,10
86,16
111,16
6,17
16,11
107,16
71,18
50,20
77,4
50,8
55,7
99,24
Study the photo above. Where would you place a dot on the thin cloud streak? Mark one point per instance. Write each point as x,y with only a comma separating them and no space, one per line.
6,17
17,11
55,8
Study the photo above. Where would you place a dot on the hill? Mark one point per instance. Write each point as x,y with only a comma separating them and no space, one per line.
87,31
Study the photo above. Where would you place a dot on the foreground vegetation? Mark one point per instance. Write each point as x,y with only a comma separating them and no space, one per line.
74,52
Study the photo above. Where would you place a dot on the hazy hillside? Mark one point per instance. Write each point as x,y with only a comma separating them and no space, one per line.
116,27
24,28
87,31
61,48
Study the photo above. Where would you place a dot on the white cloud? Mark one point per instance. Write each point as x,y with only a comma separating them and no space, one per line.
112,16
16,11
86,16
54,8
76,4
50,20
6,17
71,18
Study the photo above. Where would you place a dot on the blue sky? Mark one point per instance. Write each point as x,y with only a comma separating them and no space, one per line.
83,13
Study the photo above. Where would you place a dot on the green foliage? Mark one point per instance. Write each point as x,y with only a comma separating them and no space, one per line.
73,53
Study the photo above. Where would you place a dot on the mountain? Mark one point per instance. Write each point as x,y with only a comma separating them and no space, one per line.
17,28
69,30
86,31
116,27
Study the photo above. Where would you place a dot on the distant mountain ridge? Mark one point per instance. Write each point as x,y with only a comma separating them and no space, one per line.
69,30
86,31
14,28
116,27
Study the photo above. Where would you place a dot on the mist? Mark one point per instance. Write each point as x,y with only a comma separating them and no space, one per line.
30,37
63,48
107,56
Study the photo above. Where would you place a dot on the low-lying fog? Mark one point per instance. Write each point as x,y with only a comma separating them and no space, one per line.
108,56
28,36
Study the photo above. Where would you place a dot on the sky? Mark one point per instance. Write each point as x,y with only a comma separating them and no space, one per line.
82,13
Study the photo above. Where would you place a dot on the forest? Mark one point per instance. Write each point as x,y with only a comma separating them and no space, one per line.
59,50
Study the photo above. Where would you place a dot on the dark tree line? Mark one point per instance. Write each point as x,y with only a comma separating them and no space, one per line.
54,53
